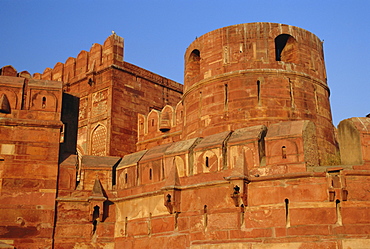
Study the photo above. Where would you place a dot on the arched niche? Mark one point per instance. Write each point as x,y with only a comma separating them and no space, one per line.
193,64
286,48
43,101
179,114
153,121
207,162
166,118
142,125
99,141
179,163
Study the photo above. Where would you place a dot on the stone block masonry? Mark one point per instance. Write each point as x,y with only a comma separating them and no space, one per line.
99,153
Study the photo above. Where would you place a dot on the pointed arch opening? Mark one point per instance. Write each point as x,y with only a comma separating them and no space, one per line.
99,141
193,66
4,104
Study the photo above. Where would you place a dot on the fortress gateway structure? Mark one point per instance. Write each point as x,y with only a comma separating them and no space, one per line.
99,153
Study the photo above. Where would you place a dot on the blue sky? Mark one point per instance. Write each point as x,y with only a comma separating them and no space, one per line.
38,34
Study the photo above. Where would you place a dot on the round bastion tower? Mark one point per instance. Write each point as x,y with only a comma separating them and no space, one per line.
257,73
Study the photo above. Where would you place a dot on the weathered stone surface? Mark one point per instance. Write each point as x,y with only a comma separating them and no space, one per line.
354,140
29,137
99,153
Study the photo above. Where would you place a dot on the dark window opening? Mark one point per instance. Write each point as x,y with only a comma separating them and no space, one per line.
283,152
168,198
338,212
195,55
95,217
286,48
43,102
96,212
205,218
126,178
280,43
4,104
193,64
126,225
287,219
150,174
114,173
207,161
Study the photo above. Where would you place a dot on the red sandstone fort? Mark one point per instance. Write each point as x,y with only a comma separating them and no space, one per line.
99,153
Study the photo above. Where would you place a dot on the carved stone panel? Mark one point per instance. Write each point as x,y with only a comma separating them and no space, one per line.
83,109
99,141
100,102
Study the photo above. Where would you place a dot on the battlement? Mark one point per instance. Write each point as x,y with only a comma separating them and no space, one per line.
99,57
98,78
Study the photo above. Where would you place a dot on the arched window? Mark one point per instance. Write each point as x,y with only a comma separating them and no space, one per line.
43,105
283,152
286,48
195,55
4,104
193,66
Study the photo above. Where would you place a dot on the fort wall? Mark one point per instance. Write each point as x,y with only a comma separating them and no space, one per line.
30,133
228,190
112,93
257,73
246,158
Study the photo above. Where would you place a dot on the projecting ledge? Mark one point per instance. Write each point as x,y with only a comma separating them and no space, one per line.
71,199
286,176
160,191
31,123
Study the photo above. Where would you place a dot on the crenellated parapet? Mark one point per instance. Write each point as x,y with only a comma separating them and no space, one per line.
87,64
11,71
98,58
106,88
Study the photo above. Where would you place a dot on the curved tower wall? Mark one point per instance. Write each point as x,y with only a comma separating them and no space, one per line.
257,73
